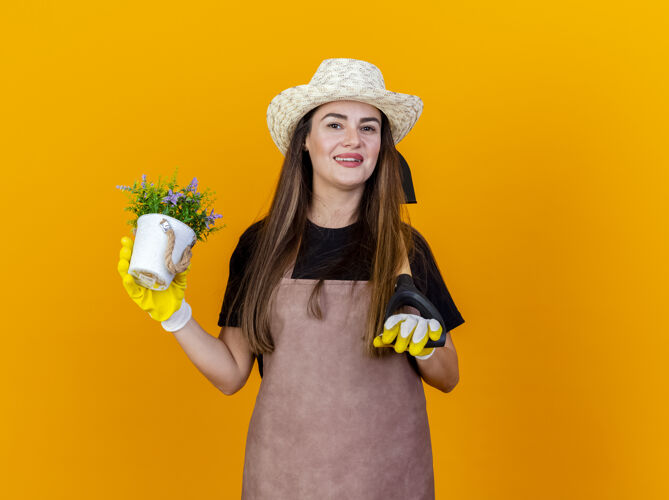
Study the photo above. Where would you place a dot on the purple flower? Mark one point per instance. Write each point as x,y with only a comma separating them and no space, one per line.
193,185
212,216
143,180
124,188
209,219
172,197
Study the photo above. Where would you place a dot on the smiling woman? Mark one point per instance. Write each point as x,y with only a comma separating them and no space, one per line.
335,415
351,157
339,138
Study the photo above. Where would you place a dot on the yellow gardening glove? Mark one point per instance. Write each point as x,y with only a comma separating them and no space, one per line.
411,331
160,304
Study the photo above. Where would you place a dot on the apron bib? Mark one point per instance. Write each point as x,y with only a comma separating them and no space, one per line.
329,423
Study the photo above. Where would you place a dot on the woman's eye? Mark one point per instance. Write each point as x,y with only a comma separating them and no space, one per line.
368,127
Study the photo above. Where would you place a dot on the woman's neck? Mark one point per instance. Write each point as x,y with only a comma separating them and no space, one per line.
332,218
333,208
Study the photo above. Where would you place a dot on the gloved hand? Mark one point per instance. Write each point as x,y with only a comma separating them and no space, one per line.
401,327
167,306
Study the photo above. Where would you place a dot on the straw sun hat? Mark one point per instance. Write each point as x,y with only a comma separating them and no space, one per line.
339,80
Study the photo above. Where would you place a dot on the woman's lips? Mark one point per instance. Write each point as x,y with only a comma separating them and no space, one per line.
349,164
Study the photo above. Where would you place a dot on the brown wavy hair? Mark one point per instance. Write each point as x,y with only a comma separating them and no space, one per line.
382,237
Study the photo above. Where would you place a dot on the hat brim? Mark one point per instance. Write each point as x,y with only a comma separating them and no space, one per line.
289,106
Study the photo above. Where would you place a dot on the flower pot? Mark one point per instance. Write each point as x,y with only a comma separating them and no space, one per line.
148,262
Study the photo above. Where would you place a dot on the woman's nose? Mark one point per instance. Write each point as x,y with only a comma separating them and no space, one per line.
352,137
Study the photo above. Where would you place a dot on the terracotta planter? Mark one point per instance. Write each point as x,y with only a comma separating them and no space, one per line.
148,262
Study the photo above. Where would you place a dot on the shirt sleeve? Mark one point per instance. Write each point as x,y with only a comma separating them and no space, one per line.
429,281
238,262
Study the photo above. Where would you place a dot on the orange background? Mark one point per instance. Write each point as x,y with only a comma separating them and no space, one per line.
540,169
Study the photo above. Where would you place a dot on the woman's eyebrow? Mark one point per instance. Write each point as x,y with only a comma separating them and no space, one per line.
344,117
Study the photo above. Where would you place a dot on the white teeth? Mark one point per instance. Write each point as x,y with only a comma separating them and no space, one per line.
345,159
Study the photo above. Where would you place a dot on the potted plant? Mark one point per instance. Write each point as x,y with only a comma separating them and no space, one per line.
170,220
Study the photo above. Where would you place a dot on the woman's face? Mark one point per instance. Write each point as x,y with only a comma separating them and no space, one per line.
344,129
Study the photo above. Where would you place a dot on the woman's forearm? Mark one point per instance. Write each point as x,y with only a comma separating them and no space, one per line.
441,369
210,355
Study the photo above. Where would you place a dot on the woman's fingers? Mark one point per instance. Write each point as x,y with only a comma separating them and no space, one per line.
378,342
134,290
393,320
408,331
127,242
407,328
125,253
419,337
391,328
435,329
388,336
397,331
123,259
122,266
